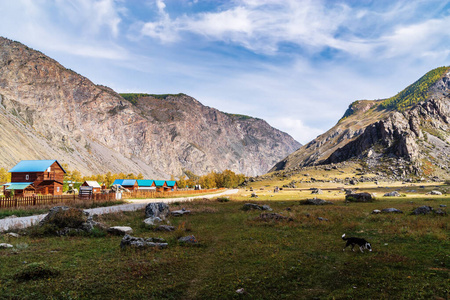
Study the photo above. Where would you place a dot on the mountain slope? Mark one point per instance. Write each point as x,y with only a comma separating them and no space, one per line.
409,130
48,111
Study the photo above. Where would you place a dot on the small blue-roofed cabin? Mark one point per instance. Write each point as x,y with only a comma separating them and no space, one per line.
146,185
171,185
129,184
160,185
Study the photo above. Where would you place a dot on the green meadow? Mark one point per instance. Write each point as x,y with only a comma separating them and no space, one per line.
299,257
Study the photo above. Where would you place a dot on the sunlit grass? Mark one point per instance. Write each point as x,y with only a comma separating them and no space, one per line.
300,258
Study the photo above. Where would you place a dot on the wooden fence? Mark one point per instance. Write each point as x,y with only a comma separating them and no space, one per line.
10,202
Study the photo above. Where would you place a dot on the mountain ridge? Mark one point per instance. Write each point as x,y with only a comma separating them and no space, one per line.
413,129
48,111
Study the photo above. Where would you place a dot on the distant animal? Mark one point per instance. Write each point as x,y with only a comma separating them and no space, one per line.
352,241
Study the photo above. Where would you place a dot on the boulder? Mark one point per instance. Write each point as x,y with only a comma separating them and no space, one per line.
157,209
188,239
137,242
4,245
273,216
359,197
250,206
69,220
120,230
392,194
177,213
438,193
423,210
254,195
315,202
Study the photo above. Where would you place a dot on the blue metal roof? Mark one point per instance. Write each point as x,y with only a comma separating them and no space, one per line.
18,185
125,182
171,183
159,182
145,182
34,166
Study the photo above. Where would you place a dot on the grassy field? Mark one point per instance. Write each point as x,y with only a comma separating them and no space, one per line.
301,258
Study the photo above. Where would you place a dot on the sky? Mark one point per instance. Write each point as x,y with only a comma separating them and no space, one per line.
298,64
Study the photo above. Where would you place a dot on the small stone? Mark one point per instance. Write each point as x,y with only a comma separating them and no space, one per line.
188,239
4,245
376,211
240,291
322,219
151,221
164,228
391,210
12,234
392,194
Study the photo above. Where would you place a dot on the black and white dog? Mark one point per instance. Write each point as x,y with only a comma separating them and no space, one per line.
362,243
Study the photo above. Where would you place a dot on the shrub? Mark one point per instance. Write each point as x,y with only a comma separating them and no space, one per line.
36,270
223,199
72,218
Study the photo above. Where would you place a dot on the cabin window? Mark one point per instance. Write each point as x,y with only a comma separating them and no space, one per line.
27,177
48,170
57,188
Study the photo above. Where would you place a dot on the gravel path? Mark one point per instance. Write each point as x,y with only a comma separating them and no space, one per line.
23,222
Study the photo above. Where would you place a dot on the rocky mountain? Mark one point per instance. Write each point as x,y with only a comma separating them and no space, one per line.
50,112
405,134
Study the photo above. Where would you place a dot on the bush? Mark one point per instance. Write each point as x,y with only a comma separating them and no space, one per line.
72,218
36,270
223,199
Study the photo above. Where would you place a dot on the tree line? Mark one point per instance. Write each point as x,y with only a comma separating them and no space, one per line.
225,179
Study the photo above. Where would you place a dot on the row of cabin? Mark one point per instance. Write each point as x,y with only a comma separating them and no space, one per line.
147,185
46,177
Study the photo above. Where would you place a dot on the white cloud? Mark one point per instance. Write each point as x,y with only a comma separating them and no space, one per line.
73,27
299,131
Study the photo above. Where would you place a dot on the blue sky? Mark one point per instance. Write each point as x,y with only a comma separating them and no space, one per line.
297,64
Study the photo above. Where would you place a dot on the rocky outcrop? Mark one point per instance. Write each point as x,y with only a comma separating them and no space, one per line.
48,111
401,139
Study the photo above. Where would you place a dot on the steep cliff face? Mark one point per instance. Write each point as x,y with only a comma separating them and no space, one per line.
48,111
418,133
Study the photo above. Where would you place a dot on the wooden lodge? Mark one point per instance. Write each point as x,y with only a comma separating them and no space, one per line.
171,185
160,185
32,177
146,185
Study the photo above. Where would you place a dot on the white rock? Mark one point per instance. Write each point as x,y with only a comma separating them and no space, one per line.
4,245
12,234
152,221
